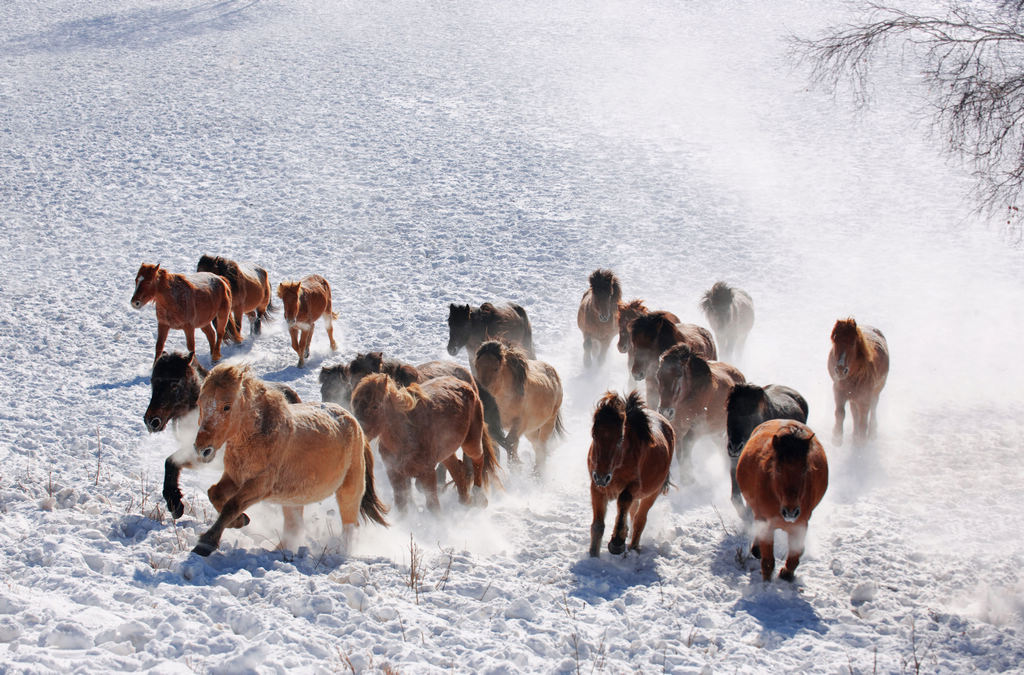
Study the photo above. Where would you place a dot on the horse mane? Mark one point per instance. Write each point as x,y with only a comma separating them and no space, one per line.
792,444
610,411
329,371
226,268
848,330
171,366
405,398
636,305
605,282
653,323
515,359
717,299
637,421
743,394
679,353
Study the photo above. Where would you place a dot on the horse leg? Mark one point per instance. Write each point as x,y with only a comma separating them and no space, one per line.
796,549
617,544
598,502
427,482
329,325
250,492
603,350
737,496
223,318
219,493
538,439
254,322
653,397
161,338
588,344
639,517
293,528
349,496
172,491
684,448
294,333
400,488
473,460
873,417
837,430
765,545
860,409
236,327
307,340
457,469
211,336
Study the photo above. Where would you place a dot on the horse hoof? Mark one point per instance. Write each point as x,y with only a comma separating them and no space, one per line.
204,549
837,440
176,508
755,551
787,574
617,546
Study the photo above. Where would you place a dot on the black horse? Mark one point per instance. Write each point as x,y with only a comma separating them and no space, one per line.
470,327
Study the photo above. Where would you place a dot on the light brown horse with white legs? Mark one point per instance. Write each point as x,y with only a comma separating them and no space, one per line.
185,302
290,455
250,291
783,474
629,461
859,366
421,426
598,315
306,301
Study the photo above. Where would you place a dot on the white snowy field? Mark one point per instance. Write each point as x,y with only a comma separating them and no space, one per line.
421,153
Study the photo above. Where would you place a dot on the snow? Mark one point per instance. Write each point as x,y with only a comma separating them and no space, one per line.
422,153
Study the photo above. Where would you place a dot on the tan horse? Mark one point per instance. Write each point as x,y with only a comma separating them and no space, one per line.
598,315
422,426
783,474
291,455
859,366
528,394
693,394
304,302
185,302
629,461
250,291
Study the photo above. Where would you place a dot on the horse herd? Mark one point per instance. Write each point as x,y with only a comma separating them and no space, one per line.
279,449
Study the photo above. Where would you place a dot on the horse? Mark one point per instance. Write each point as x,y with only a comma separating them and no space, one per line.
422,426
630,312
306,301
175,384
291,455
469,327
337,383
859,366
730,311
783,474
693,393
250,291
629,460
747,407
651,334
598,315
185,302
528,393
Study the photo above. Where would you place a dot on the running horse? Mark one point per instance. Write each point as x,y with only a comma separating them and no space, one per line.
185,302
783,474
730,311
304,302
598,315
859,366
653,333
470,327
629,461
250,291
630,312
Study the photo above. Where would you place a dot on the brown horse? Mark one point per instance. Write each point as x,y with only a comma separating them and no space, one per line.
422,426
730,311
598,315
783,474
694,393
651,334
630,312
304,302
859,366
528,394
250,291
291,455
469,327
629,461
185,302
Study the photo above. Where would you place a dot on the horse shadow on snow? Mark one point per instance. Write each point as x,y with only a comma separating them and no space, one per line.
610,576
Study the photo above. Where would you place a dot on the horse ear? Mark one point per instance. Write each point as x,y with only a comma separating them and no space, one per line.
376,359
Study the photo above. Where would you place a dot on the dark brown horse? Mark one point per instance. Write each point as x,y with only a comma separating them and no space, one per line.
859,366
630,312
598,315
175,383
185,302
629,461
304,302
783,474
469,327
749,405
291,455
693,393
422,426
730,311
651,334
250,291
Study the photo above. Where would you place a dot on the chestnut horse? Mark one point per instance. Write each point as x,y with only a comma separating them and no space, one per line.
651,334
598,315
250,291
175,383
628,313
748,406
859,365
629,461
337,383
422,426
693,395
291,455
783,474
185,302
730,311
469,327
304,302
528,394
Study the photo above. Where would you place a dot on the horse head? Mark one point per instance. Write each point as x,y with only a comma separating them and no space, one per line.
374,398
745,409
605,294
791,445
145,285
628,311
672,376
717,302
648,338
335,385
175,386
495,361
458,327
221,399
607,438
290,293
846,337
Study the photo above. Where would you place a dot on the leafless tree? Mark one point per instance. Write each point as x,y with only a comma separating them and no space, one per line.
970,56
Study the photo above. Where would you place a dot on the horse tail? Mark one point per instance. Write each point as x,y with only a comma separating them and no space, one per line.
559,431
527,332
264,278
490,459
371,507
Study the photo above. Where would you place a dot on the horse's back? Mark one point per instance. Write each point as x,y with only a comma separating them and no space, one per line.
434,369
699,339
786,402
878,343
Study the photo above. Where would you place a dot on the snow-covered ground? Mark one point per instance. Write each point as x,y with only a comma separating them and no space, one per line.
421,153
